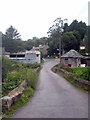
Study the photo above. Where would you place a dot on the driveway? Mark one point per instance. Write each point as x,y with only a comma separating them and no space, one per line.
54,98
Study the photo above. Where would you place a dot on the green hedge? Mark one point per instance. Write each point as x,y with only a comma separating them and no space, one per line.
15,73
79,72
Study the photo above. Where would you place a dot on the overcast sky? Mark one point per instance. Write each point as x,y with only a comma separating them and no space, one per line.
34,17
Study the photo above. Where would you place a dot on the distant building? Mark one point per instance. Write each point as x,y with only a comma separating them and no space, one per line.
31,56
71,58
43,49
82,46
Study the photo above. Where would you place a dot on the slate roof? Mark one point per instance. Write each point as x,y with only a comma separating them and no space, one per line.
72,54
40,47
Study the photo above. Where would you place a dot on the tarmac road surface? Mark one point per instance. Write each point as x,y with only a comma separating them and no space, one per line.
54,98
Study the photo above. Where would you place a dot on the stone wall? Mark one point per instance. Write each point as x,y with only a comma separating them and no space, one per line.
13,96
83,83
38,69
71,61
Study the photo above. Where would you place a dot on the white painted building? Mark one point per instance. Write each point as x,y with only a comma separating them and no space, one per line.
31,56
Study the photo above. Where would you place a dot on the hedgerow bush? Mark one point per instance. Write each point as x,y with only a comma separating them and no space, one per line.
32,78
6,66
81,72
10,82
29,65
15,73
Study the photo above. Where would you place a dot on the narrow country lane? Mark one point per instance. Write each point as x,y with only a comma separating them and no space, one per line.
54,98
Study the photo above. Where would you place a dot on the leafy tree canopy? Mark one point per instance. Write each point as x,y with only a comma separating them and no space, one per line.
69,41
78,26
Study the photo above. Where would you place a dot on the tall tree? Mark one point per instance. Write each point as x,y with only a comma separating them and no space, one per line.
11,40
69,41
12,33
88,40
65,27
78,37
78,26
12,45
55,32
57,28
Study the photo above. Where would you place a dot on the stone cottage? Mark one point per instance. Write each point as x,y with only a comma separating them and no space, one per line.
71,58
42,48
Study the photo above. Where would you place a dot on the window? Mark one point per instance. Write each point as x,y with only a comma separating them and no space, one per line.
13,56
21,55
69,65
66,58
37,55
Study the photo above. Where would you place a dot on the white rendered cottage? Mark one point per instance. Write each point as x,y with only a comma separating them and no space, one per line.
31,56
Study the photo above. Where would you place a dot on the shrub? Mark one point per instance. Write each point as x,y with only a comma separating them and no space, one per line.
15,73
29,65
79,72
10,82
32,78
6,66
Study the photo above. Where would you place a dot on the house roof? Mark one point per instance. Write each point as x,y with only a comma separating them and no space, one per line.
29,52
72,54
33,51
40,47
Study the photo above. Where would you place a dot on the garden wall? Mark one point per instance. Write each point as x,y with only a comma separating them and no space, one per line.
83,83
13,96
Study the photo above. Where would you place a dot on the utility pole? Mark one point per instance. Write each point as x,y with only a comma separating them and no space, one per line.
60,49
